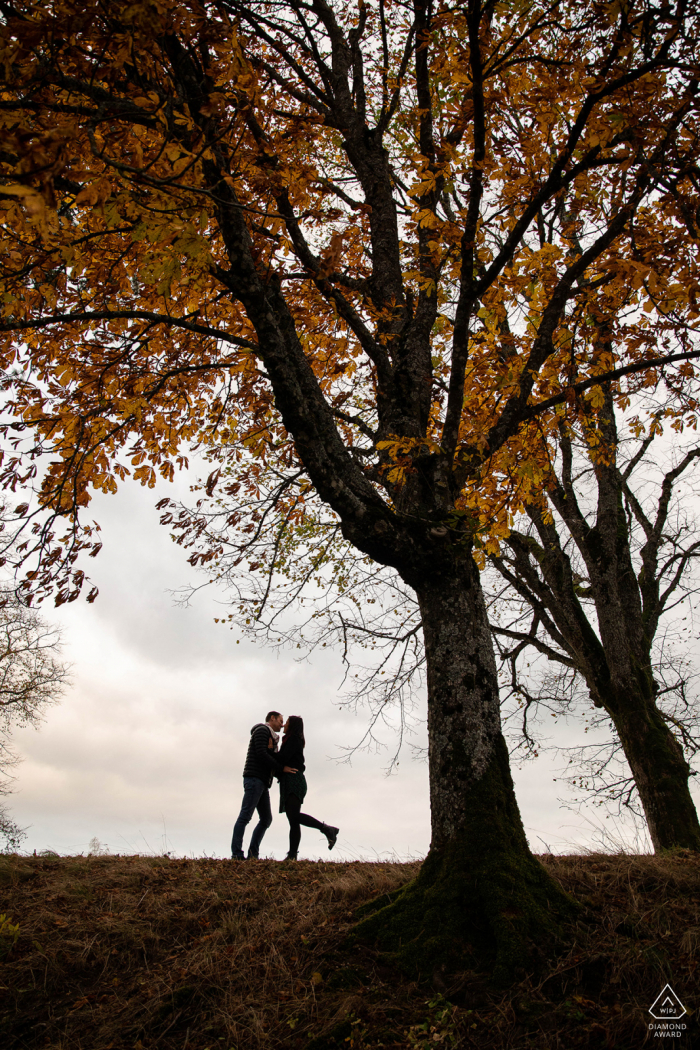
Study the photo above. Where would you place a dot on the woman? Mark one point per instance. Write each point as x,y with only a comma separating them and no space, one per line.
293,787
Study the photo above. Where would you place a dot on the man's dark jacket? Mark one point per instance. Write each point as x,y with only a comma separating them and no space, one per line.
261,760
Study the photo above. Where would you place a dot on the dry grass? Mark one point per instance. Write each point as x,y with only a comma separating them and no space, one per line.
135,952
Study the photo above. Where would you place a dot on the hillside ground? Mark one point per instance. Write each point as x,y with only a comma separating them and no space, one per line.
154,953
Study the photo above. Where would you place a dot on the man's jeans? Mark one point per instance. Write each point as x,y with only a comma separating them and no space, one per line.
255,796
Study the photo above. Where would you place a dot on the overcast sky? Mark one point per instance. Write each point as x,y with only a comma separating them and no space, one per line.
145,751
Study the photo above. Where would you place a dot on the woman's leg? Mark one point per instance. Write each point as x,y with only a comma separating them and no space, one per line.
295,818
310,822
292,805
328,830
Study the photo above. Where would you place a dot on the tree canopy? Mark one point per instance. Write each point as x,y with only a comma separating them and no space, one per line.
466,214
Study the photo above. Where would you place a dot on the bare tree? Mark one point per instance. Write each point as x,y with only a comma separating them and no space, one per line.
32,677
598,561
595,766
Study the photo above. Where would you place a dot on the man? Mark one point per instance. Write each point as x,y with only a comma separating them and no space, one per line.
261,765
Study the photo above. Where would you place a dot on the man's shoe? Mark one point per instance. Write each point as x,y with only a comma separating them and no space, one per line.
291,856
237,856
331,834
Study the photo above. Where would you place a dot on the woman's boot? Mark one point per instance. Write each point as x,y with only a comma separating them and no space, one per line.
331,834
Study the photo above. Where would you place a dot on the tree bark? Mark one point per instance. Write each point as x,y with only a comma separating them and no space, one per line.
481,898
659,768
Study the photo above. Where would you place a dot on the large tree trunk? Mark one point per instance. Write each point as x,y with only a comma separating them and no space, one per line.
659,769
481,898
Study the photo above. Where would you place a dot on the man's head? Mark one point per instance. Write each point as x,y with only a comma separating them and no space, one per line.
274,720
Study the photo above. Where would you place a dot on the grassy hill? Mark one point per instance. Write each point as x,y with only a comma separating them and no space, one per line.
105,953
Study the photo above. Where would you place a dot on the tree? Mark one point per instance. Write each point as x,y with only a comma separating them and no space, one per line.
593,619
392,245
597,592
31,678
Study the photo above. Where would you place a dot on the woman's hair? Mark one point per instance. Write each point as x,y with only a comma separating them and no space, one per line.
295,730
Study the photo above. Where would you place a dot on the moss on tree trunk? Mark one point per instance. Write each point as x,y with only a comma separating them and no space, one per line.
481,900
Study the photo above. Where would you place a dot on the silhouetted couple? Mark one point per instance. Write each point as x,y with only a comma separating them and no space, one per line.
263,762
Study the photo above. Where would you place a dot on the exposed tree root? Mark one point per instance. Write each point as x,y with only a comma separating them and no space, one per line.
481,901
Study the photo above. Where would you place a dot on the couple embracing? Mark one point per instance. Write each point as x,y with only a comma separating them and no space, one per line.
265,760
